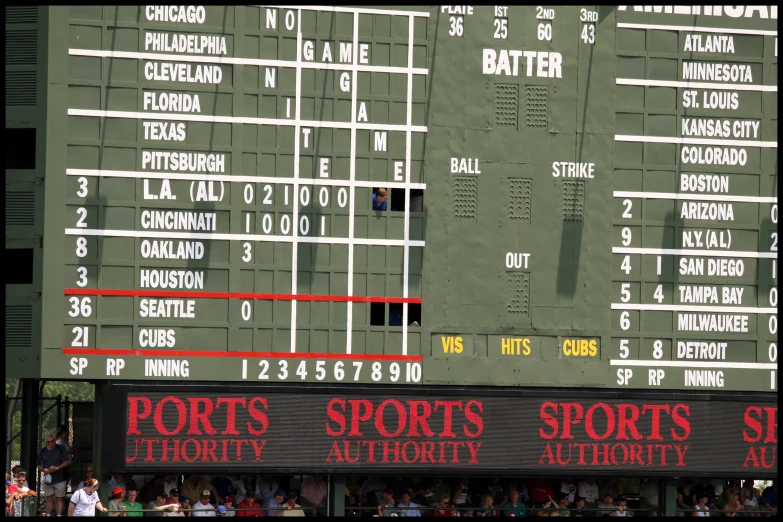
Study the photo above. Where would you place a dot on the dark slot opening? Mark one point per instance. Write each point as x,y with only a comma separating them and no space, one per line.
377,314
20,149
395,314
398,200
414,313
19,266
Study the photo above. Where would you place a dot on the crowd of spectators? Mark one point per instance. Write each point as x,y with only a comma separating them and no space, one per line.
267,495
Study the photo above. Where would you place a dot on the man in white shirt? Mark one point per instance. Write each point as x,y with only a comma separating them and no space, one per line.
203,508
589,489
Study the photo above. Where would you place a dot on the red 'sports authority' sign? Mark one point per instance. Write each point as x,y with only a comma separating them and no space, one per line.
330,431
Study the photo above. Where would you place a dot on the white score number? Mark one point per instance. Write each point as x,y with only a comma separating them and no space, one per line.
501,28
455,27
588,29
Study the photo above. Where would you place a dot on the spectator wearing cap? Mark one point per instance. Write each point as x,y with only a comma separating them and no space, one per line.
160,505
115,502
579,504
606,504
274,504
193,486
622,508
228,501
203,508
178,500
242,485
174,498
132,508
182,502
221,511
561,501
249,507
514,505
314,492
169,483
613,486
291,506
386,507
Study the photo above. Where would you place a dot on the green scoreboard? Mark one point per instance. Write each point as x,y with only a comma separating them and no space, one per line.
574,196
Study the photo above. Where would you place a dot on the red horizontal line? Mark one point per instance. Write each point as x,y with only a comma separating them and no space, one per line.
241,295
248,355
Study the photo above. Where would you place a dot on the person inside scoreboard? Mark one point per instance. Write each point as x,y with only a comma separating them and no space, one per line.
379,199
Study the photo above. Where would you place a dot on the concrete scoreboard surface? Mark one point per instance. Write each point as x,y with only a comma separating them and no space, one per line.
577,196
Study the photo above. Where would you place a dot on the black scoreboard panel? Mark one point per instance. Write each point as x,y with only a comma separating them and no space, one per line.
533,195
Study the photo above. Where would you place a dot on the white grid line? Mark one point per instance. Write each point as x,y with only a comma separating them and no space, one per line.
696,141
230,178
217,236
695,308
297,137
231,60
355,10
696,85
407,219
170,116
697,29
352,161
693,252
693,197
695,364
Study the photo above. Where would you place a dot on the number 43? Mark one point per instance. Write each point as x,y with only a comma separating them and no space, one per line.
588,33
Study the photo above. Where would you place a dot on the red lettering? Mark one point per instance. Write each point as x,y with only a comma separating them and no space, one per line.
473,447
347,448
772,425
231,413
656,410
334,452
589,423
210,445
165,449
751,412
201,417
182,416
134,415
474,418
550,419
427,447
547,454
627,415
567,420
184,450
416,419
258,447
448,407
257,415
681,420
410,444
681,450
336,417
401,418
357,416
